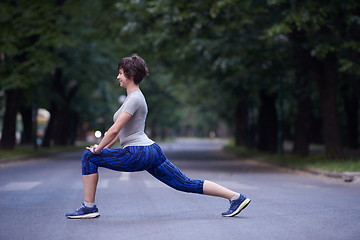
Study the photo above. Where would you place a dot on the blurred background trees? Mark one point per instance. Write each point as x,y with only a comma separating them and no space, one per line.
260,71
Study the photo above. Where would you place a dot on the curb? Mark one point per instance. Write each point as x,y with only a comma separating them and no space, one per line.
351,176
345,176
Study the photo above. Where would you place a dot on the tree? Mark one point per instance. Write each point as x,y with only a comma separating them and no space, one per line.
214,46
50,46
24,38
323,25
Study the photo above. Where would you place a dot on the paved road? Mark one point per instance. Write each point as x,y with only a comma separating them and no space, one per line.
35,195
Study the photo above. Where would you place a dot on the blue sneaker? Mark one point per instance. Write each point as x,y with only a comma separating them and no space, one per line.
84,212
236,206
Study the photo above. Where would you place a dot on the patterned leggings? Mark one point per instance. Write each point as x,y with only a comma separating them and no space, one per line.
138,158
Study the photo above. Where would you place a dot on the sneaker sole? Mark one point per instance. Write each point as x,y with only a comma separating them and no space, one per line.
90,215
242,206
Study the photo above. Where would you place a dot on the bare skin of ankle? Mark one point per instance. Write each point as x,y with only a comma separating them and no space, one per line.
214,189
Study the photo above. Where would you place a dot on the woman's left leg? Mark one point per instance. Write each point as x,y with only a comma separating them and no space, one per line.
169,174
116,159
214,189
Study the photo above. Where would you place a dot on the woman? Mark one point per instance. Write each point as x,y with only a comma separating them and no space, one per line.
138,152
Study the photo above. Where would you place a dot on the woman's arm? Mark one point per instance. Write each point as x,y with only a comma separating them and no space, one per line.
113,131
112,142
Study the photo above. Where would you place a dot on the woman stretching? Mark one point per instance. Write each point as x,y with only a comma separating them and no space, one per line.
138,152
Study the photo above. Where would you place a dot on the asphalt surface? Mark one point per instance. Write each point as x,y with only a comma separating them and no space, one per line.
35,195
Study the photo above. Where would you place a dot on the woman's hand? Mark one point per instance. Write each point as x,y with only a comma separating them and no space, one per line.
112,134
93,149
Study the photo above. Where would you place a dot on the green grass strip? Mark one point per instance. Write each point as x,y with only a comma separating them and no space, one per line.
29,151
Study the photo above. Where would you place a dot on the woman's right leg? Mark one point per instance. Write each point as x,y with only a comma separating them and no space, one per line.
109,158
129,160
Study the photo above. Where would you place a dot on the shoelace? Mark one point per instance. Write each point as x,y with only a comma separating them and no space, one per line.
82,206
79,208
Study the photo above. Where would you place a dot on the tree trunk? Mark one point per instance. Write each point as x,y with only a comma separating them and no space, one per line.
302,59
73,128
316,126
352,121
267,123
302,127
62,121
241,123
27,120
12,103
81,129
327,86
61,126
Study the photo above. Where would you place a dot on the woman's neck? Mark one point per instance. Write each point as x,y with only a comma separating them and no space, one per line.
130,89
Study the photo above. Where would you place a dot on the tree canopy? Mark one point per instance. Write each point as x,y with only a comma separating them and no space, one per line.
270,70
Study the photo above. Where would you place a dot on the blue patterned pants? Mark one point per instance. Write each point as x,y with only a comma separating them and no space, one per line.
139,158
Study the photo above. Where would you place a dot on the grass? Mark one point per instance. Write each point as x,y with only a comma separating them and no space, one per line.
29,151
313,161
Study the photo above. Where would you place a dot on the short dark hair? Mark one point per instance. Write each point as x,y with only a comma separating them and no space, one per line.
134,67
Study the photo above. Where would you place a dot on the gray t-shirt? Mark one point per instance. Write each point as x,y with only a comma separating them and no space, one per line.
132,134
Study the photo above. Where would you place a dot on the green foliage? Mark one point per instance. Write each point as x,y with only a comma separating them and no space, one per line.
205,57
27,33
40,37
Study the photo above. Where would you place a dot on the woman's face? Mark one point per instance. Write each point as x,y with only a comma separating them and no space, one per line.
122,79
